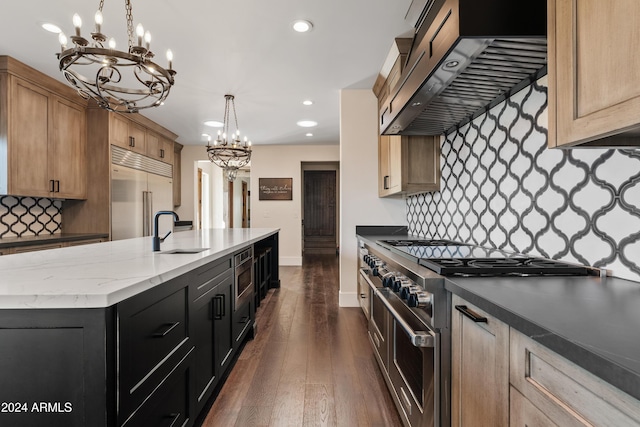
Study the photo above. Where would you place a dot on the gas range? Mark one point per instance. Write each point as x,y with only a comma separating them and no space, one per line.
451,258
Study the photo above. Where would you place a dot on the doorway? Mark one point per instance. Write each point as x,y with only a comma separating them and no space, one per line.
319,211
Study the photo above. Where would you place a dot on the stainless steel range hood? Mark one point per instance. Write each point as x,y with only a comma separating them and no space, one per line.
467,55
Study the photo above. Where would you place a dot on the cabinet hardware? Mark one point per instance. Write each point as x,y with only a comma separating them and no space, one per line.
219,309
161,153
57,186
52,186
470,314
164,329
386,182
132,141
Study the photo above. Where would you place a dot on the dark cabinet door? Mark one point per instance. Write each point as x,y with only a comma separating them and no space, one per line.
222,315
202,317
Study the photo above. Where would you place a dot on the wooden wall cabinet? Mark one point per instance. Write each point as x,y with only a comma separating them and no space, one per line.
408,165
45,132
128,134
594,96
159,147
479,367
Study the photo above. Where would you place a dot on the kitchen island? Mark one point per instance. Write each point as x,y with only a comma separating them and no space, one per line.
112,333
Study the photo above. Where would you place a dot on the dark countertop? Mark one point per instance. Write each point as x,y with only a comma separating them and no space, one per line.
13,242
593,322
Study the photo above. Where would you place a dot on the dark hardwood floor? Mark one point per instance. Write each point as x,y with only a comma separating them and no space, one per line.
310,364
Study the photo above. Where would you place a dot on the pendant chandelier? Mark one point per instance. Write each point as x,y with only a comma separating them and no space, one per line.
125,81
229,153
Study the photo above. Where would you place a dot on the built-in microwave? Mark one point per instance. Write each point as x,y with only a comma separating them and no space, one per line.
243,268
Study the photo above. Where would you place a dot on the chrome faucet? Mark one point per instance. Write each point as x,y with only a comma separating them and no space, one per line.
156,239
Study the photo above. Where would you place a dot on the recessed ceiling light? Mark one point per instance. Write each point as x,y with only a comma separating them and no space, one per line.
309,134
52,28
307,123
302,26
307,102
214,123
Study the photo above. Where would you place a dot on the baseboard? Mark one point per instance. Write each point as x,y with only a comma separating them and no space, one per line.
290,261
348,299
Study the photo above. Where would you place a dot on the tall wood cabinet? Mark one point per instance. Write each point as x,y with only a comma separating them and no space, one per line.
479,367
43,123
408,165
594,96
105,129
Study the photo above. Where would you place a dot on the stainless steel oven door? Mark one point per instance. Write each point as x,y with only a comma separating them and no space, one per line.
414,365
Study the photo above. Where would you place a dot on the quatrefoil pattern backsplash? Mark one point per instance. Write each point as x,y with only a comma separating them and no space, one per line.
29,216
502,187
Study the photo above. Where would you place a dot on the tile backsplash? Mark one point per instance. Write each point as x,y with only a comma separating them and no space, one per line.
502,187
29,216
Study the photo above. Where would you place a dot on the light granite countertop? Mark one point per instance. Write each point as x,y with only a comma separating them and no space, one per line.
103,274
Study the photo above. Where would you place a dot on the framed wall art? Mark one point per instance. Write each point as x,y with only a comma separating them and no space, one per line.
275,188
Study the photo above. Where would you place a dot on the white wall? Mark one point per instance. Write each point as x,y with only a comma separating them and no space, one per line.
359,183
284,161
194,157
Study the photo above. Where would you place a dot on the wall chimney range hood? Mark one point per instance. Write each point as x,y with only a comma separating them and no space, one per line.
466,56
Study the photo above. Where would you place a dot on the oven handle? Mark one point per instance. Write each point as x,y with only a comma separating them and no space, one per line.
418,338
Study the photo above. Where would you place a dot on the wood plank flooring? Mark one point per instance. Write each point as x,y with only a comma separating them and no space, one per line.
310,364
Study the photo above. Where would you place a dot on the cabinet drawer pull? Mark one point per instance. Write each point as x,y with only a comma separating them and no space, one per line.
174,417
57,186
470,314
164,329
52,186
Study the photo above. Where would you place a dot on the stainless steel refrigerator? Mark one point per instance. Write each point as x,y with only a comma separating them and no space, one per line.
140,187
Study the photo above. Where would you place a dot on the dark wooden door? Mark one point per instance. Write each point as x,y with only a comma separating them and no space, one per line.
320,211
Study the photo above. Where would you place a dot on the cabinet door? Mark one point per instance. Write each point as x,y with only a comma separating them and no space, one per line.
479,367
138,138
593,70
523,413
67,159
201,315
119,130
389,165
222,315
28,140
153,145
166,153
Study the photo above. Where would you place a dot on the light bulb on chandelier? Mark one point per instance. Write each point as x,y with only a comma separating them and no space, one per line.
125,81
229,154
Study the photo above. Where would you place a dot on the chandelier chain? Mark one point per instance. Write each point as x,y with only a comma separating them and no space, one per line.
129,10
235,116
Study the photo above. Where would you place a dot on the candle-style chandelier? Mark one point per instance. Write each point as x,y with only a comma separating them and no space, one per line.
118,80
230,154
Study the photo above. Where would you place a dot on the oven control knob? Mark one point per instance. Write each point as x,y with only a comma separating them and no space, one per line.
397,284
420,300
377,266
366,259
404,283
387,280
409,290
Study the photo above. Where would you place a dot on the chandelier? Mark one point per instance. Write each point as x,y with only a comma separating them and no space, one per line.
118,80
229,154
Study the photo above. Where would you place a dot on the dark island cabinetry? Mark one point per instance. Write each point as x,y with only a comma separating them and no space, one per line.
155,358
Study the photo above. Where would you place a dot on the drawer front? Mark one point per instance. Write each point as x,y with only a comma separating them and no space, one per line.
208,276
566,393
152,337
170,404
242,321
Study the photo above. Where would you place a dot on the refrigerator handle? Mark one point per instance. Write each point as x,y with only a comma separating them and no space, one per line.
146,213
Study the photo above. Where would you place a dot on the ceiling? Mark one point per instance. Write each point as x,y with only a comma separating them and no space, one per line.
243,47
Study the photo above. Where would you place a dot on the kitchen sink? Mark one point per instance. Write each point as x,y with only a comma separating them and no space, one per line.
184,251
